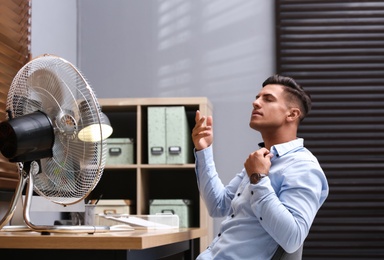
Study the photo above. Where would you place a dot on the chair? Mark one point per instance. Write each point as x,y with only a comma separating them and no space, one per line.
280,254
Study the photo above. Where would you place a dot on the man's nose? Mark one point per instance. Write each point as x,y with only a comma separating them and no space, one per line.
256,103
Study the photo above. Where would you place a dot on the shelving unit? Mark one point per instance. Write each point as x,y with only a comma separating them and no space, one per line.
140,182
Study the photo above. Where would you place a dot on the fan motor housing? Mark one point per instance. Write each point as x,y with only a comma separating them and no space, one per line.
27,138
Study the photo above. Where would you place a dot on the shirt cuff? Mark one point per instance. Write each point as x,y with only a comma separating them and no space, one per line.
262,188
204,155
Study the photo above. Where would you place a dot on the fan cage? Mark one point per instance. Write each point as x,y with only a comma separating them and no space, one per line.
54,86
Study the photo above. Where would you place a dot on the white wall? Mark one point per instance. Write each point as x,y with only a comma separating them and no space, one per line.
219,49
54,28
170,48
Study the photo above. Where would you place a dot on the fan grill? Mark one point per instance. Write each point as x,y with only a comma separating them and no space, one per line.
54,86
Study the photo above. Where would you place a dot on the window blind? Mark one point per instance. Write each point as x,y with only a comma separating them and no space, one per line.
335,50
14,53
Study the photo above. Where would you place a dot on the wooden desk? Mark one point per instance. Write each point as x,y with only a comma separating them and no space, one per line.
137,244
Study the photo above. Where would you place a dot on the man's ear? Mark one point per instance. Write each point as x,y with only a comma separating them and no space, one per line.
294,114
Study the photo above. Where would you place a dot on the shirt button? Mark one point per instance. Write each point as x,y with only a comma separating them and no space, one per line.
238,194
261,218
251,192
219,234
233,215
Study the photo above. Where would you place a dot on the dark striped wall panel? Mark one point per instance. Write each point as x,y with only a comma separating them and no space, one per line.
335,49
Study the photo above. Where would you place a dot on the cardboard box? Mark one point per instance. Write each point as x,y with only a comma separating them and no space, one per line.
120,151
169,136
179,207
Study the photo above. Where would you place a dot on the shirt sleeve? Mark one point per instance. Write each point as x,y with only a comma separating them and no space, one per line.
216,196
287,214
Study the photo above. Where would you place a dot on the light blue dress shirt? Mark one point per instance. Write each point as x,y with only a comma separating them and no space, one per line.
279,209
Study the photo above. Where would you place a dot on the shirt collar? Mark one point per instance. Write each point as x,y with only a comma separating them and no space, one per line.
284,148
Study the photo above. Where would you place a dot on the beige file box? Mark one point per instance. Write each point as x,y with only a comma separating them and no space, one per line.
106,207
169,137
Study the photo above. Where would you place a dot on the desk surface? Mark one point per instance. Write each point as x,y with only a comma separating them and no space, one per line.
136,239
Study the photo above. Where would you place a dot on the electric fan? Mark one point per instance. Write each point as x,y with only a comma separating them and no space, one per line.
56,134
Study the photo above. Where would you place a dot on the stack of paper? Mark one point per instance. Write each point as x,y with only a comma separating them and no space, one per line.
158,221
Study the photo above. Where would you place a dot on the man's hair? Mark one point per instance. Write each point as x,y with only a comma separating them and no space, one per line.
295,92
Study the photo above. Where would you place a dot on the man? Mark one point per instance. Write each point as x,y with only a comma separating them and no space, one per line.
274,199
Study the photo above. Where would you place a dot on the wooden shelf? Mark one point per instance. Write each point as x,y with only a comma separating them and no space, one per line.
140,182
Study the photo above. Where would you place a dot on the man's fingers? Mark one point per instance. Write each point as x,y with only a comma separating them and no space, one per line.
262,152
200,121
198,118
209,121
200,129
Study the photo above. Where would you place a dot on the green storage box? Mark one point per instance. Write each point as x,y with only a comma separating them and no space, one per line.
120,151
169,136
179,207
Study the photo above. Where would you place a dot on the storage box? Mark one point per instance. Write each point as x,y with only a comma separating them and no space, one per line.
178,136
169,136
120,151
156,136
106,207
112,207
179,207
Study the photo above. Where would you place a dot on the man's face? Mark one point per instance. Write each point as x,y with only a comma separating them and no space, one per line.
270,109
